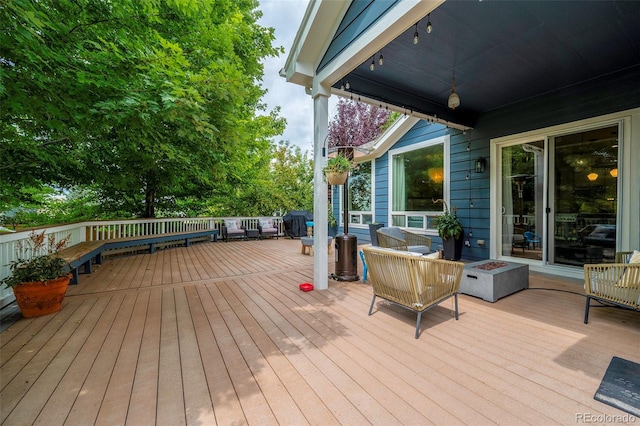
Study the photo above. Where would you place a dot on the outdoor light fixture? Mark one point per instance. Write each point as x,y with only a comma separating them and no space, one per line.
481,162
373,64
347,85
429,27
592,176
454,99
380,59
415,35
613,173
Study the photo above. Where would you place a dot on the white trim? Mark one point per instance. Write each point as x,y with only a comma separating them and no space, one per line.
445,141
319,24
372,201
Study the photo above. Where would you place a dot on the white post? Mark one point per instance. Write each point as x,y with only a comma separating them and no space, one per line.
320,193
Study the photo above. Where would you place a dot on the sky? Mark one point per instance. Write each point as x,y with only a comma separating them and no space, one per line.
296,106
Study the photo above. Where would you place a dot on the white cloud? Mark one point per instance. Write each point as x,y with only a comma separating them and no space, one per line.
296,106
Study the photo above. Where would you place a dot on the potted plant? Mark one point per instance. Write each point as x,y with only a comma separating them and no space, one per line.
451,231
337,169
40,282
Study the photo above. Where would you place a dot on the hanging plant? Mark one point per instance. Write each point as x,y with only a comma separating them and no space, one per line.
337,169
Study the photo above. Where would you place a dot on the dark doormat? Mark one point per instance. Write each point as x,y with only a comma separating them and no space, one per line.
620,386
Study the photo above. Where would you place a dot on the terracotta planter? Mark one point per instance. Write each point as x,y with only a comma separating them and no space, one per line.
36,299
337,178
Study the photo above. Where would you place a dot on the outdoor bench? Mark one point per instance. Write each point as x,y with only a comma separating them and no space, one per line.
412,281
85,253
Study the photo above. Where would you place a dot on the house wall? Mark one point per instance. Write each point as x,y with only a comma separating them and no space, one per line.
360,16
618,92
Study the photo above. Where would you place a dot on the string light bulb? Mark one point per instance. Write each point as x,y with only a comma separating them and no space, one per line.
415,35
381,59
373,64
429,26
347,85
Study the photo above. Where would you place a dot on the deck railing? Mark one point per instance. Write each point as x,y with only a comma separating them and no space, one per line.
108,230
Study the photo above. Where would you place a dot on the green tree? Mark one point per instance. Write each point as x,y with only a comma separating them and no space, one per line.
281,180
149,102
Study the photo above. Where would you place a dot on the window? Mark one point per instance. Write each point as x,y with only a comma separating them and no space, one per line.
417,177
360,195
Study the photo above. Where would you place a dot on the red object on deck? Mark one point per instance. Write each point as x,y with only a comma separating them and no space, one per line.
306,287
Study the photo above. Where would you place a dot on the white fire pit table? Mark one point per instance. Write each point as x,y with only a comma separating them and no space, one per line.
493,279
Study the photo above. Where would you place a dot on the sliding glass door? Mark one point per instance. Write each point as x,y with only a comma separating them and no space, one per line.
522,200
559,198
585,197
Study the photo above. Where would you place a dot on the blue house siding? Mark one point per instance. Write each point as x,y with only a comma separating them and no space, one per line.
360,16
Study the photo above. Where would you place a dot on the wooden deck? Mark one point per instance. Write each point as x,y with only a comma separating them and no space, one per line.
219,333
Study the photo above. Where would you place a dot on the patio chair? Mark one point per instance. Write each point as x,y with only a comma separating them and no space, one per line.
623,256
613,284
233,229
395,238
267,228
411,281
519,242
531,239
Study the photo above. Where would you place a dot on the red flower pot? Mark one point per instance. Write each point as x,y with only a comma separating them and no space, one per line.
36,299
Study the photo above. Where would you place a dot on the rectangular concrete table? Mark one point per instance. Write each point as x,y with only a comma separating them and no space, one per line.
498,279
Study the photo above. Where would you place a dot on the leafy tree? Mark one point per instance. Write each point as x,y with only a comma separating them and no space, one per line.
280,181
356,123
148,102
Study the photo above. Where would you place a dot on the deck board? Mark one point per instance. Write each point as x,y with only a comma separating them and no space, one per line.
218,333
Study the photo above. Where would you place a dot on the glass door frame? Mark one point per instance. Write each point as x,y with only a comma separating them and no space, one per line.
498,202
628,225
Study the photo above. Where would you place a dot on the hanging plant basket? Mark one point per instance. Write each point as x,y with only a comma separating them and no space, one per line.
335,178
36,299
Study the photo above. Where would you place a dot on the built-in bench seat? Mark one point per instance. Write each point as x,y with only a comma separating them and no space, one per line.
85,253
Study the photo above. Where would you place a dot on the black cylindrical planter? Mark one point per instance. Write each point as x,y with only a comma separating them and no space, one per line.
346,258
452,248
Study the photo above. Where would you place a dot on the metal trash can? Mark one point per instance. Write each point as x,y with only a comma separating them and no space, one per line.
346,268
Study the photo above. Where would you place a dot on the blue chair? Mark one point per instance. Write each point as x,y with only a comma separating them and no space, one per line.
531,238
364,265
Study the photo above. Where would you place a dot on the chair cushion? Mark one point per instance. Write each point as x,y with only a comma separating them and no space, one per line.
635,257
392,231
419,249
266,223
625,280
231,224
434,255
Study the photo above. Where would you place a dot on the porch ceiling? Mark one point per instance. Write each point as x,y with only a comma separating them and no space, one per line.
501,53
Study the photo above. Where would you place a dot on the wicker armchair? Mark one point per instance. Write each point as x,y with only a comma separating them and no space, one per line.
613,284
398,239
414,282
233,229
